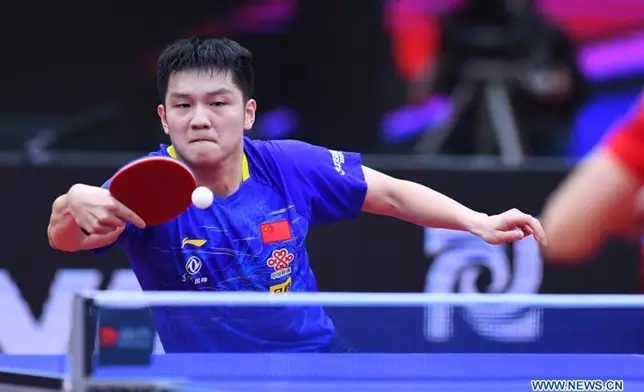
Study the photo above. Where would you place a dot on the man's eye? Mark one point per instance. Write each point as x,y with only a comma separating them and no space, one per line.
219,103
182,105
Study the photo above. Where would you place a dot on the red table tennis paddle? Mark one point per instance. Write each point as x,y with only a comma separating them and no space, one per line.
158,189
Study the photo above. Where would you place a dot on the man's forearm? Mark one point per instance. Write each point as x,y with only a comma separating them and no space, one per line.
425,207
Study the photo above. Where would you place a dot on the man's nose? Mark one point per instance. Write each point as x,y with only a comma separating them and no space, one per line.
200,118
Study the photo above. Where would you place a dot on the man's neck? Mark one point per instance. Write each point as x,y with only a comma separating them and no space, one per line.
225,178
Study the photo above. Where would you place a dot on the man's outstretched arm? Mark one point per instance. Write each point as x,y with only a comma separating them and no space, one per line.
425,207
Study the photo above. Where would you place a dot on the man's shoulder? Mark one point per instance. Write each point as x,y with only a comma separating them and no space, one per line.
288,151
270,147
273,155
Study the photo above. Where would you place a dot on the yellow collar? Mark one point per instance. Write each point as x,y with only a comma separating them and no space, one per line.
245,170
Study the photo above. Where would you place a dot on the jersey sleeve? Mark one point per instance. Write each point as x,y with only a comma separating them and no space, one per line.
626,141
329,185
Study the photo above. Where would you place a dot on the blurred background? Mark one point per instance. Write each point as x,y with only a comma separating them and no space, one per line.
490,102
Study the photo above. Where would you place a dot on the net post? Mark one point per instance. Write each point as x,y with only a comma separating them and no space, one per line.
81,341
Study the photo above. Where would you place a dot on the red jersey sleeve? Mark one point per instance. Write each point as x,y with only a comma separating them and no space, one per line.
626,142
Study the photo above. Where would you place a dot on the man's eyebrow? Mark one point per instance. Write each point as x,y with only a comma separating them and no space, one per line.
179,95
220,91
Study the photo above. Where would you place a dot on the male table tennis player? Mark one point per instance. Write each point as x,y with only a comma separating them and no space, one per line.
602,196
268,193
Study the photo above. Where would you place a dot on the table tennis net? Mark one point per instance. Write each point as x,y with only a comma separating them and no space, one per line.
380,322
131,335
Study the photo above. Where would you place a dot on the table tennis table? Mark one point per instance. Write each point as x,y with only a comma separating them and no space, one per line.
353,372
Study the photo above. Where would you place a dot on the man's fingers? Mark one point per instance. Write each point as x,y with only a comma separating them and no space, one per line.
533,227
515,218
538,232
107,219
125,213
527,223
96,227
527,230
86,229
102,223
511,235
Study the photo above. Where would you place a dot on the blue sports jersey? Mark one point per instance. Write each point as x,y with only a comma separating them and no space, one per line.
253,240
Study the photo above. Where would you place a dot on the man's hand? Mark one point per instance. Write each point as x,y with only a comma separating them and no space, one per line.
510,226
97,212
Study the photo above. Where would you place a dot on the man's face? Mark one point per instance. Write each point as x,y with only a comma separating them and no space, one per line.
205,116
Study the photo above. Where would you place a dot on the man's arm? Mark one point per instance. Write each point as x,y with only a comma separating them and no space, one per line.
65,234
598,198
416,204
425,207
334,185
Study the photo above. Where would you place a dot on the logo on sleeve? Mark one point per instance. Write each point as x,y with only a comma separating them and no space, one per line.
338,160
280,261
276,231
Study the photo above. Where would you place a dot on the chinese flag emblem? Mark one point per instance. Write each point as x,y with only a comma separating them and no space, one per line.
276,231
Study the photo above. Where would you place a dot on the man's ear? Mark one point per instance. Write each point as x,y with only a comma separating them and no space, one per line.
164,119
249,115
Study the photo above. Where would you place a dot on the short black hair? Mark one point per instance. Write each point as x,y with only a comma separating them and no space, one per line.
209,54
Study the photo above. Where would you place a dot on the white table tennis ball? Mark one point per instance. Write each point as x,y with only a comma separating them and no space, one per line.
202,197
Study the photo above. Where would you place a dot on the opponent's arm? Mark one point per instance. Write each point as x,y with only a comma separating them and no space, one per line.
425,207
597,198
91,209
